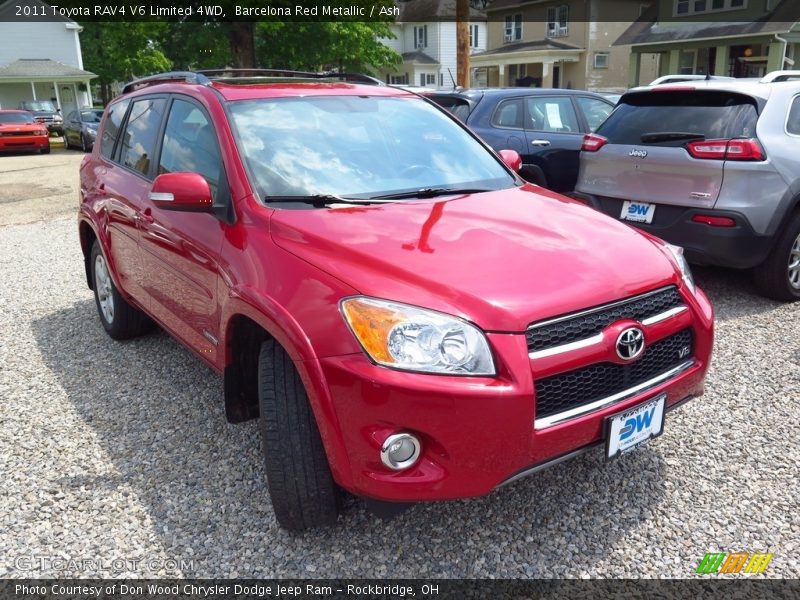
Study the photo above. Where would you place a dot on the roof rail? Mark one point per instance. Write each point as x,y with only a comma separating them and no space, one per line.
250,74
779,76
171,76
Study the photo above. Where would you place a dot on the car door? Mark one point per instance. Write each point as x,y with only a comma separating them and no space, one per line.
180,250
503,129
71,125
553,136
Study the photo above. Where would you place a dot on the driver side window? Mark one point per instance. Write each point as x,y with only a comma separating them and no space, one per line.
190,145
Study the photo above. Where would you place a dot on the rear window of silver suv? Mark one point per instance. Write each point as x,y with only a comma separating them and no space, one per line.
712,115
793,120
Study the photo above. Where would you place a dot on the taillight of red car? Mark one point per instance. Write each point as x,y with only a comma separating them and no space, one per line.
593,142
736,149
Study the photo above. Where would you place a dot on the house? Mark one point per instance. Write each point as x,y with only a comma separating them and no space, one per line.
737,38
425,37
559,43
40,59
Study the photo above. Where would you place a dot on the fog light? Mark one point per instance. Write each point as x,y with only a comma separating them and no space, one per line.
400,451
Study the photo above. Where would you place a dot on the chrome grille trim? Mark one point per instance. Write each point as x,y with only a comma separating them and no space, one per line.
545,422
664,315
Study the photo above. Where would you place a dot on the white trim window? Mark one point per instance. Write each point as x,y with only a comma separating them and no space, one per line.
474,38
697,7
421,36
513,28
557,21
601,60
399,79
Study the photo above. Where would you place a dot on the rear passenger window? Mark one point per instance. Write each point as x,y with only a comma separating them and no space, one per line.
508,114
793,122
595,111
141,130
190,144
714,115
555,115
116,112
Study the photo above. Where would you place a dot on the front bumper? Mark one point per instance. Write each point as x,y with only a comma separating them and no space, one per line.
477,433
739,247
23,143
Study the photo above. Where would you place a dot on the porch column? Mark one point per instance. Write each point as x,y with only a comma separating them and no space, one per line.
58,98
501,75
33,90
634,69
674,62
547,75
721,61
775,57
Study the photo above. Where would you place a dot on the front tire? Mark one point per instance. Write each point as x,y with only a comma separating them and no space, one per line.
299,478
120,320
778,277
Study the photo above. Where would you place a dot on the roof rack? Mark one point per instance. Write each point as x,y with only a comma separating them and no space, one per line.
244,76
171,76
779,76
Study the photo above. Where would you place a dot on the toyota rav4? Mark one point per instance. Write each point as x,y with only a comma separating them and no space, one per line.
406,317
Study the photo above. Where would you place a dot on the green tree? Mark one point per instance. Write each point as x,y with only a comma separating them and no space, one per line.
121,51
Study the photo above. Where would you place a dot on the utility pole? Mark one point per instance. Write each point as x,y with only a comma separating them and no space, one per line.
462,42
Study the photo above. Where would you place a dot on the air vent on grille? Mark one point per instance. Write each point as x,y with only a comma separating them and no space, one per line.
587,324
586,385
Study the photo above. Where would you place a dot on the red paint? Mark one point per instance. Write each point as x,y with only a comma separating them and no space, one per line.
22,137
501,260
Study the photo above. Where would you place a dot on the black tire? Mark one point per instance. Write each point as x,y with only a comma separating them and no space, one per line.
125,321
45,150
772,277
299,478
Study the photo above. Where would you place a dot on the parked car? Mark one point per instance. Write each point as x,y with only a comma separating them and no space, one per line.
80,128
545,126
44,112
711,166
19,132
406,326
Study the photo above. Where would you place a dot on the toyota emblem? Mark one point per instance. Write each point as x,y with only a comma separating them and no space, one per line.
630,343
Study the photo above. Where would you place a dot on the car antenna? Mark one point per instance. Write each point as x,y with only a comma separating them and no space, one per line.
449,72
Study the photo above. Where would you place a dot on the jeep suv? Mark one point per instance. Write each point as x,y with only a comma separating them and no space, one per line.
711,166
406,317
45,113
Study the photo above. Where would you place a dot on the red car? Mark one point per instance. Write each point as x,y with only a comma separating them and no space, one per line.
19,132
408,319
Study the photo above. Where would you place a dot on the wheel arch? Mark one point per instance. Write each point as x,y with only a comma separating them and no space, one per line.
87,237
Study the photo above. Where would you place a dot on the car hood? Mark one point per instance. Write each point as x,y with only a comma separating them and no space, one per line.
500,259
20,126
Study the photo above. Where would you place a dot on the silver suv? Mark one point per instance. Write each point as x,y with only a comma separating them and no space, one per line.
713,166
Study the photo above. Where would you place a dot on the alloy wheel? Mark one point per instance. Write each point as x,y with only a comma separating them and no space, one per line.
104,289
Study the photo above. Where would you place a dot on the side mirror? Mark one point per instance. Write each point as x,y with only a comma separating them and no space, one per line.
181,191
512,159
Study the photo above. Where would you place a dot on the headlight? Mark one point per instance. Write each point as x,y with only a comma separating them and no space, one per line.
58,119
92,133
415,339
677,255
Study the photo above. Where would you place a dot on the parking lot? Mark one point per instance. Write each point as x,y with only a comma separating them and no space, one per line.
120,452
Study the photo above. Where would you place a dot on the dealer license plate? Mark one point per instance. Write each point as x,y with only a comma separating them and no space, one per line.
632,428
639,212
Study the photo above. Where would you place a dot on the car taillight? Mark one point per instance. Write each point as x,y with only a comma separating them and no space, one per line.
736,149
714,221
592,142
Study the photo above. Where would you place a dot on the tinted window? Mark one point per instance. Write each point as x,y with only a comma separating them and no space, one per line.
594,110
190,144
73,116
458,106
139,140
116,112
508,114
91,116
793,122
16,117
715,115
552,114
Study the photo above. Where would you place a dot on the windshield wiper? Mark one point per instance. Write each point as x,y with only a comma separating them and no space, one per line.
666,136
431,192
321,199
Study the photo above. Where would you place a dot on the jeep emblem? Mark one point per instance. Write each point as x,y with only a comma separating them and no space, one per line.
638,153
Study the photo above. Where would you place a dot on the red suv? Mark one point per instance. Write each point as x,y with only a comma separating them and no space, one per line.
408,319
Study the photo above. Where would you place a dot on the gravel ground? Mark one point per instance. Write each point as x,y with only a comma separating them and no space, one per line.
114,451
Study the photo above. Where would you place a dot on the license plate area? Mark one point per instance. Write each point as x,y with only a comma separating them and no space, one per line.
638,212
635,426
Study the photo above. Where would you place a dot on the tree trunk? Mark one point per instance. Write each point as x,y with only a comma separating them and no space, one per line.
462,42
243,47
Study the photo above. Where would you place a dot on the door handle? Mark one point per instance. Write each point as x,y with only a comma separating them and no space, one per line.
147,217
540,142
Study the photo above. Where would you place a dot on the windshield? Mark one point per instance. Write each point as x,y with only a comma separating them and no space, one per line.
39,105
91,116
359,146
16,117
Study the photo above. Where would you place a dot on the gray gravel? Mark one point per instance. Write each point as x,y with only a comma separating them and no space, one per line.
114,451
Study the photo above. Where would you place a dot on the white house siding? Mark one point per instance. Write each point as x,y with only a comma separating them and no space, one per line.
40,39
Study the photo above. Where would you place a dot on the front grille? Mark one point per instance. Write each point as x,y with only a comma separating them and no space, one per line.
588,384
588,323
